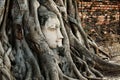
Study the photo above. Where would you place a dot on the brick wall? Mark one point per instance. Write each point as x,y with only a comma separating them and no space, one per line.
100,17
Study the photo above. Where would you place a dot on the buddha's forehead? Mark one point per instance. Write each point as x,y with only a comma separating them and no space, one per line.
52,22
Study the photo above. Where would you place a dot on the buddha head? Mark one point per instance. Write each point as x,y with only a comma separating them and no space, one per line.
50,27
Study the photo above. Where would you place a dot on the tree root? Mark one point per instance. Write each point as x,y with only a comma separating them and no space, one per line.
88,73
32,61
99,63
29,72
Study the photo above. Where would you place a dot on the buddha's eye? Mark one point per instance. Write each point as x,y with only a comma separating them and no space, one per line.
52,28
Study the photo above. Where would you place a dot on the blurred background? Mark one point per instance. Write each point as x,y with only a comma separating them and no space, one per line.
101,20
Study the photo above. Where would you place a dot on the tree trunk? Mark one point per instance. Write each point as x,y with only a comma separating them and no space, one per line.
25,53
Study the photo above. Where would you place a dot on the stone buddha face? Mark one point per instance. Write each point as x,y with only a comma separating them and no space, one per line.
51,30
